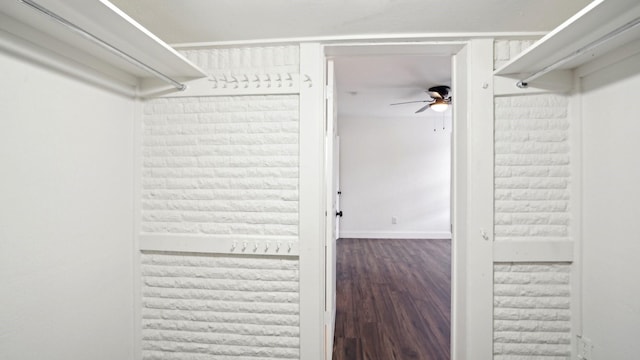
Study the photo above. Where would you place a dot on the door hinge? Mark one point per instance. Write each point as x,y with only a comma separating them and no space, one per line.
329,92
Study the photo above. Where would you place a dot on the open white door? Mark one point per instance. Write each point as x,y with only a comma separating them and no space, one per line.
336,178
331,163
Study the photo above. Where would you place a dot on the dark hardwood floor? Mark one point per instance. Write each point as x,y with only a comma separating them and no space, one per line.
393,299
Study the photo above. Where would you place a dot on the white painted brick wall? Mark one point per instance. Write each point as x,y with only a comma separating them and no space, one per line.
248,60
532,315
505,50
219,307
224,165
532,168
221,165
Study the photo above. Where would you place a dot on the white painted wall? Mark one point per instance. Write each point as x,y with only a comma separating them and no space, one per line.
66,248
611,194
395,167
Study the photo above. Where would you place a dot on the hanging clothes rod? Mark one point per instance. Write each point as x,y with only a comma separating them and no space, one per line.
105,45
592,45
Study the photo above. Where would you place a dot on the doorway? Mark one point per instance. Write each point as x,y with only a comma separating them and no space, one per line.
394,186
472,192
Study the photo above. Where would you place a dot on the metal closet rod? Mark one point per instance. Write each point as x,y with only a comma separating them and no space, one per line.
78,30
592,45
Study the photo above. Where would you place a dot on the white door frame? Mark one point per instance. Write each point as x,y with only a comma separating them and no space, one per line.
331,219
472,192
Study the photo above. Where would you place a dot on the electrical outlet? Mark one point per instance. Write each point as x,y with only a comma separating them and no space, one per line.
585,348
394,220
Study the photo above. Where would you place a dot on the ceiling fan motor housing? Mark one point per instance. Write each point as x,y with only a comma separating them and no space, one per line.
442,90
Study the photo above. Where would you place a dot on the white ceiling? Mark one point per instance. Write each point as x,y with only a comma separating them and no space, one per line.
183,21
366,85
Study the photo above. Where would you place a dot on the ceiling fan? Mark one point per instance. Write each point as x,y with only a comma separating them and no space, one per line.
440,99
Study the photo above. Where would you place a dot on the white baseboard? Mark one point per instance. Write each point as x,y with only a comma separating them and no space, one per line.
394,235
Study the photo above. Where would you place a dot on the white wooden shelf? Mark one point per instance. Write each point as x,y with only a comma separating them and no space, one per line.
106,22
595,21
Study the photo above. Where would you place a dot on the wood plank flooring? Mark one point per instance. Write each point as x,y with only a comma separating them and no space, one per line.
393,299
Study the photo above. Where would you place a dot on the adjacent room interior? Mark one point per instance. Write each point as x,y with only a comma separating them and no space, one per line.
394,251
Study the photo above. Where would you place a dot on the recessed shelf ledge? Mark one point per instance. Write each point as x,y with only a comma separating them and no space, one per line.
601,27
104,21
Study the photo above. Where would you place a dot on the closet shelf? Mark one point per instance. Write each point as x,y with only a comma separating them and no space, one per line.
105,21
595,22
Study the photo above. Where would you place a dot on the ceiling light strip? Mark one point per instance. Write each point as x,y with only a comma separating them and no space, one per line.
624,28
87,35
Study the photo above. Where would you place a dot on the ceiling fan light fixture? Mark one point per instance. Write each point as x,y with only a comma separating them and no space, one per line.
439,105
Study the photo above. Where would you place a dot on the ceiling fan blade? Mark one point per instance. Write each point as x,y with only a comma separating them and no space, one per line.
423,108
410,102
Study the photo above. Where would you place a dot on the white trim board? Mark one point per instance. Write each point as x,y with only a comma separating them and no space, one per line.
222,244
235,85
342,39
533,251
575,136
312,203
395,235
138,158
472,245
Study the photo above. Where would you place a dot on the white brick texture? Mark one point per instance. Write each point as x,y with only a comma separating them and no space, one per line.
532,168
219,307
532,315
505,50
248,60
221,165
